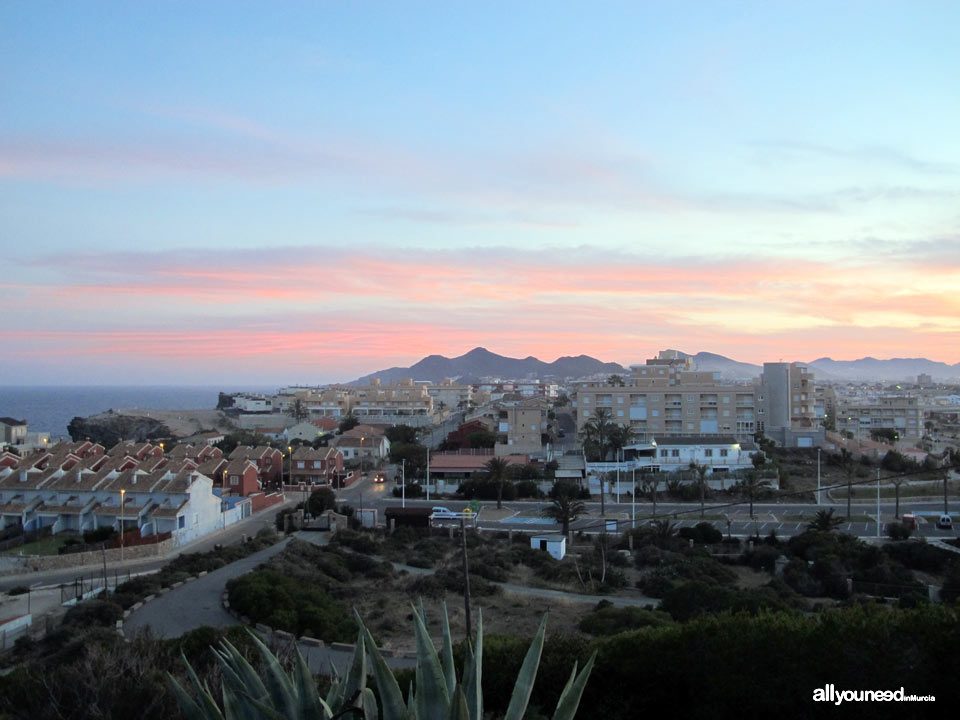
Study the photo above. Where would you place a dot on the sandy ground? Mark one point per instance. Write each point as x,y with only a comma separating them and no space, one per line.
182,423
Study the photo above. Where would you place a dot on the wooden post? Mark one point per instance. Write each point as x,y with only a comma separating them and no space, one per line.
466,576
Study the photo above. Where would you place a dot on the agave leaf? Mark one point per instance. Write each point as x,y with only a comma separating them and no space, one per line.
356,679
368,702
247,678
390,694
449,670
411,701
311,704
458,706
432,697
335,694
527,676
279,687
473,675
267,711
238,705
207,703
570,697
423,613
188,706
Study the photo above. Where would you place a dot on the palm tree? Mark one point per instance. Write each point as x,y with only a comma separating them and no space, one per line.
298,410
824,521
615,380
619,436
497,473
701,470
565,506
754,482
600,426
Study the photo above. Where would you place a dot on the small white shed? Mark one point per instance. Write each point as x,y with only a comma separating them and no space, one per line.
554,544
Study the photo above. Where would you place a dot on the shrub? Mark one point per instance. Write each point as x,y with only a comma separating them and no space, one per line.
612,620
101,534
93,613
413,490
528,489
702,533
898,531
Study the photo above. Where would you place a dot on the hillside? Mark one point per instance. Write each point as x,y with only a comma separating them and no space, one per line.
480,362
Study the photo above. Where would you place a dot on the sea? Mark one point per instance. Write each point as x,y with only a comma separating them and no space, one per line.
50,409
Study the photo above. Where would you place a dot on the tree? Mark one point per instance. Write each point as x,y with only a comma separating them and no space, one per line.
754,483
320,501
298,410
616,380
600,426
497,473
887,435
824,521
701,470
848,467
349,422
897,481
620,436
481,439
565,505
401,434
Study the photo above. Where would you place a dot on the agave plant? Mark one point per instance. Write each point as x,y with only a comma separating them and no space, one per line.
436,694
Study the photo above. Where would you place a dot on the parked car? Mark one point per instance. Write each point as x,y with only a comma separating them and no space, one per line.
442,512
945,522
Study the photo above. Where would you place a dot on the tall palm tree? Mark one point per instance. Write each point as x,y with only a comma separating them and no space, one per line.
600,427
619,436
848,467
497,473
701,479
754,484
565,506
298,410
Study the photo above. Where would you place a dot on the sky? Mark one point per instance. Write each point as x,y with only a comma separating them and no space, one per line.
308,192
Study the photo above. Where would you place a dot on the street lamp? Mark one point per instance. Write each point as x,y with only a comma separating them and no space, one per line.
361,458
403,482
289,466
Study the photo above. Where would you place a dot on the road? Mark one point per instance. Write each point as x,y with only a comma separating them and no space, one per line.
784,518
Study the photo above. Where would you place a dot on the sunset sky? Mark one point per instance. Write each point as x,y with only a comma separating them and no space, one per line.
308,192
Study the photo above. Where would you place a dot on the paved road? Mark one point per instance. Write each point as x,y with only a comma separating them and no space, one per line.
197,603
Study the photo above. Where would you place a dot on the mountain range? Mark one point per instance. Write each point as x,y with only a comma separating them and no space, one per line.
480,362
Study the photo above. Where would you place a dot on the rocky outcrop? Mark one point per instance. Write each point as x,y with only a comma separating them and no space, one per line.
109,429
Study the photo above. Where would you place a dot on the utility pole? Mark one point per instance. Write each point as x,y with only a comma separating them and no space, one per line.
466,575
878,502
403,482
818,476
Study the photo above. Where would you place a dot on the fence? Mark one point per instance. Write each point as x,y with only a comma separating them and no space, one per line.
85,586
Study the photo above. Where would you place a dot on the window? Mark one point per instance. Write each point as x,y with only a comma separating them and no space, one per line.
586,399
664,453
300,464
689,411
724,452
655,413
708,452
620,399
181,522
619,413
234,480
674,453
691,398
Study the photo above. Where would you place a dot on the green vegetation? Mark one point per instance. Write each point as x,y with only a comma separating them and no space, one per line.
435,694
49,545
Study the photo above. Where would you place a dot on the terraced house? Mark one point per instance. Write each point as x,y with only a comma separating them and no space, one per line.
74,487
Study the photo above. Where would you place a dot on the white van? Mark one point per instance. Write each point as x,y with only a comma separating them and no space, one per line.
945,522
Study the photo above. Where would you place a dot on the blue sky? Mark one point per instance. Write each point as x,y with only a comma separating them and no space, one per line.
285,180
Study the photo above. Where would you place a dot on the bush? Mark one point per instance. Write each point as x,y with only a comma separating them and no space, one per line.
93,613
320,501
18,590
898,531
413,490
101,534
528,489
702,533
689,600
610,620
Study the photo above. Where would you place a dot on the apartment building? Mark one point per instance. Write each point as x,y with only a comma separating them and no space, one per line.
667,397
901,413
449,394
519,427
786,400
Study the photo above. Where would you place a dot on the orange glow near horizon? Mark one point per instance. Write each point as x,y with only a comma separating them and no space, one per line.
354,313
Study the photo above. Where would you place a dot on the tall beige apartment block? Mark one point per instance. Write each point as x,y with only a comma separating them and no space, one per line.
667,397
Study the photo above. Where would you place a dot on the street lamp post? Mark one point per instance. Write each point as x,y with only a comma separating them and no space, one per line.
289,466
633,499
818,476
361,458
403,482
